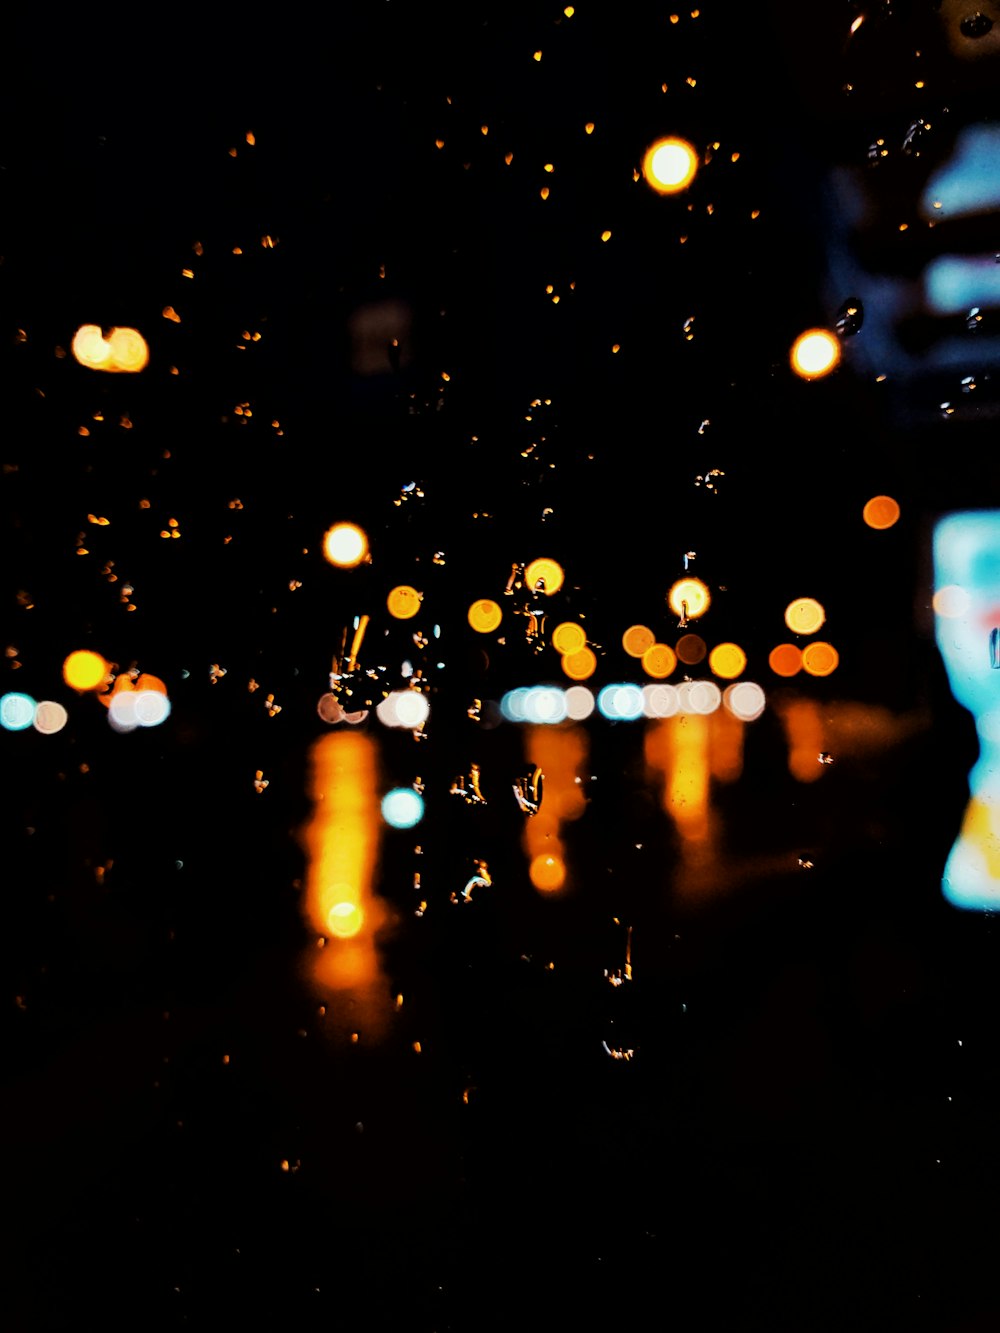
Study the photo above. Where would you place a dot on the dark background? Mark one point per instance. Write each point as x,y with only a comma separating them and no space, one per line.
805,1137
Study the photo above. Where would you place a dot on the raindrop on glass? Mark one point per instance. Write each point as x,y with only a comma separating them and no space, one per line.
968,383
974,318
913,139
995,649
975,25
850,317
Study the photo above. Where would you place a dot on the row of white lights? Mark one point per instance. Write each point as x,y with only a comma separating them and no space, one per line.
551,704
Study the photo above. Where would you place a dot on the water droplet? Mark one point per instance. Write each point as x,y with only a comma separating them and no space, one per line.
913,139
947,410
805,863
995,649
689,328
480,879
850,317
468,787
528,792
877,151
824,757
973,319
975,25
968,383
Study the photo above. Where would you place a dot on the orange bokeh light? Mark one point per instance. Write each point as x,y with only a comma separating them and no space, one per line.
485,616
580,665
403,602
345,545
636,640
881,512
689,597
659,660
568,638
814,354
669,165
547,872
85,670
785,659
691,648
123,349
545,571
820,659
727,660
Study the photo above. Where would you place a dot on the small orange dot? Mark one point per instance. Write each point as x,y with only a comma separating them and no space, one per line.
881,512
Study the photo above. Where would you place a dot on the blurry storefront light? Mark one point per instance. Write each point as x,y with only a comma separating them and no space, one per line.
669,165
545,704
345,545
85,670
132,708
814,354
485,615
17,711
967,561
512,704
544,575
403,602
547,872
804,616
689,598
402,808
345,918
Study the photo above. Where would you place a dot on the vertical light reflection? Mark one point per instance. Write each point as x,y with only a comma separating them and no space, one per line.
726,746
560,752
805,735
679,748
341,842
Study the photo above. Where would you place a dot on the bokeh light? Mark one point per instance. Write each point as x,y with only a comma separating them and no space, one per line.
785,659
881,512
547,872
819,658
580,702
85,670
123,350
485,616
17,711
815,353
568,638
344,918
744,700
669,165
403,602
50,717
804,616
698,696
637,639
620,703
580,665
546,572
404,708
952,601
545,704
689,597
691,649
659,660
727,660
345,545
659,700
402,807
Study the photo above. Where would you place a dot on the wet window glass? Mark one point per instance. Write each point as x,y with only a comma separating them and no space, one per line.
501,667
